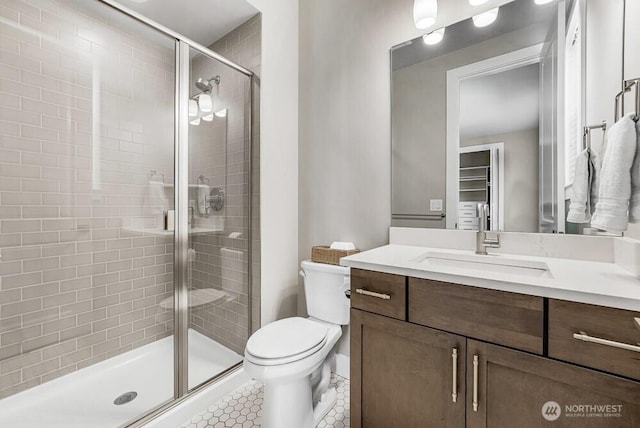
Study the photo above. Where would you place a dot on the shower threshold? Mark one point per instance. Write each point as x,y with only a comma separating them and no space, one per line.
93,396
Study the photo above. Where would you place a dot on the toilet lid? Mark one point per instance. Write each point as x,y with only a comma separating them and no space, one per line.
286,337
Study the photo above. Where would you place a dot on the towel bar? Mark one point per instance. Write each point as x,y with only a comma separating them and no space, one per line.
627,85
586,133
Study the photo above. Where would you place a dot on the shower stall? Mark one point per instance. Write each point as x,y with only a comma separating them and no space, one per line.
125,214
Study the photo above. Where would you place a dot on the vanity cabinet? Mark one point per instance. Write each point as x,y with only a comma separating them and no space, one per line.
511,387
406,375
456,356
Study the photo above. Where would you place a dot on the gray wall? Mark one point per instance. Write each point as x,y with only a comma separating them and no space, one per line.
520,177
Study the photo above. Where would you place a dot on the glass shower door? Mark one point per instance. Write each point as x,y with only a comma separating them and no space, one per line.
86,174
218,223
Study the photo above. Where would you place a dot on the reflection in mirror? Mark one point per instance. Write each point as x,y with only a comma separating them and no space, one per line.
495,115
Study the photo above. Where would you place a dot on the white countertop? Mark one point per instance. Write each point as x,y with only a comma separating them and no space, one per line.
598,283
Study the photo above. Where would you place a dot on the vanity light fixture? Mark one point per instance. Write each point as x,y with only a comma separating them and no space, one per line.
425,13
542,1
193,108
221,113
477,2
486,18
208,118
433,37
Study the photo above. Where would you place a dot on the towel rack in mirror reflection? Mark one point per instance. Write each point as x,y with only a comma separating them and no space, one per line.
418,216
627,85
586,134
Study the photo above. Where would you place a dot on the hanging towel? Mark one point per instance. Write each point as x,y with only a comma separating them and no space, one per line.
155,202
614,190
580,207
596,165
634,202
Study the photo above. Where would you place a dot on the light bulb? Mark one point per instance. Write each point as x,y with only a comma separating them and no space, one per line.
433,37
222,113
477,2
425,13
193,108
486,18
195,121
208,118
205,103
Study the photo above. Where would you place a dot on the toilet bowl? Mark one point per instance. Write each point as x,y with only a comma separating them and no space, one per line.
292,357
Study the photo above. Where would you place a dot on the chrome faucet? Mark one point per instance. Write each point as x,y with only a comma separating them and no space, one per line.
482,241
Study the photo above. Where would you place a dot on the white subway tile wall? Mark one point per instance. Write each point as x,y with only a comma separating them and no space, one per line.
86,114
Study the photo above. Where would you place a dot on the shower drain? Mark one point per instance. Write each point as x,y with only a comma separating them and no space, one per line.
125,398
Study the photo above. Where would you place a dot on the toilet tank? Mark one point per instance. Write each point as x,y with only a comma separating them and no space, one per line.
324,287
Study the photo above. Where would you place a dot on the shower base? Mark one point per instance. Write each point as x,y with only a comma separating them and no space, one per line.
85,398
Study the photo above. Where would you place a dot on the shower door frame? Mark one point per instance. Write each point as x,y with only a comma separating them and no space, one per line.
181,235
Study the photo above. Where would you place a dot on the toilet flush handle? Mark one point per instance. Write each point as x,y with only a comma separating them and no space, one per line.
302,273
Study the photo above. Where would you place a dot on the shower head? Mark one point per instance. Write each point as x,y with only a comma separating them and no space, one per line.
205,85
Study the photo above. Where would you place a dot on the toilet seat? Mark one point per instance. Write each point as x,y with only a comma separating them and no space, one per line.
286,341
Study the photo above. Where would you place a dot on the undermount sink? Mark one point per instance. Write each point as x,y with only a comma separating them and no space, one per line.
488,263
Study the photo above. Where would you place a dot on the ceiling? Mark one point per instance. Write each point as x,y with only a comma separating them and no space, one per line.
500,103
203,21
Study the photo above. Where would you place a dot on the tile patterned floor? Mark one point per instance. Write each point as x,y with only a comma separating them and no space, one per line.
243,408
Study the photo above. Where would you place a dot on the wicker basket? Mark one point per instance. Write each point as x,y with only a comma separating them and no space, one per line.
322,254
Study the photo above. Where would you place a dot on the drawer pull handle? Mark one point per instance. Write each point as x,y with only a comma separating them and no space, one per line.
475,383
586,338
637,322
372,294
454,358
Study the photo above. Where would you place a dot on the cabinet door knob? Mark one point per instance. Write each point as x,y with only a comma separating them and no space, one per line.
475,383
454,359
373,294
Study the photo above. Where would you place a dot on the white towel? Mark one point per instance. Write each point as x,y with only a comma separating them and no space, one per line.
155,202
596,164
615,181
634,202
580,207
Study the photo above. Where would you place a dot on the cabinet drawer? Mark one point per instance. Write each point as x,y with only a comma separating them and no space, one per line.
509,319
468,213
616,326
468,206
468,221
381,293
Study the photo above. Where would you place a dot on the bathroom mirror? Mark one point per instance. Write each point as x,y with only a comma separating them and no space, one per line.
494,114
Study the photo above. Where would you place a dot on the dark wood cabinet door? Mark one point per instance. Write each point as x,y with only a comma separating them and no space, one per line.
402,374
516,389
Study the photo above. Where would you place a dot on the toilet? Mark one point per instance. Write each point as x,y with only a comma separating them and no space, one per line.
292,357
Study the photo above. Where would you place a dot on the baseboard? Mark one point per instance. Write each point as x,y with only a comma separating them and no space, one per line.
342,365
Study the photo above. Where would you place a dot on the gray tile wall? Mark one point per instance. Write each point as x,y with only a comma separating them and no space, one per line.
87,111
221,261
